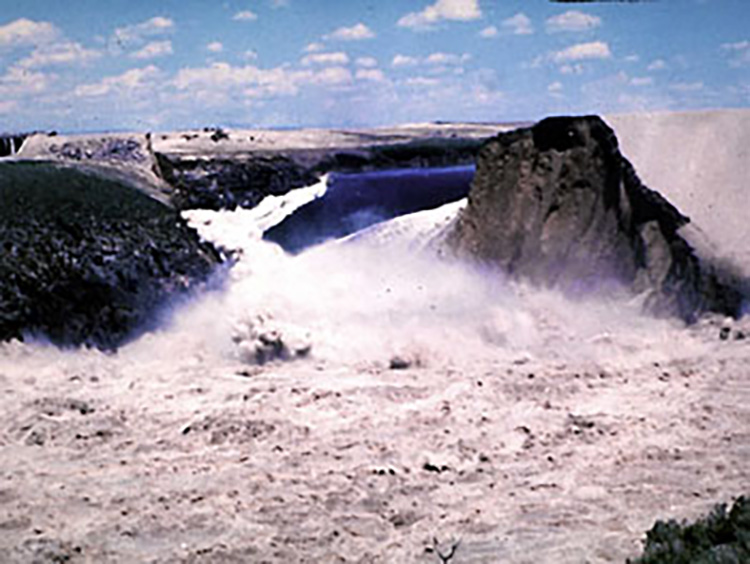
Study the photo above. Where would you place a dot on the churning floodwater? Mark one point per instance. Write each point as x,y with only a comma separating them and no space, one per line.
383,290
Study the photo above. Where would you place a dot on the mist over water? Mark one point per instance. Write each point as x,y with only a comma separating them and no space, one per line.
386,293
369,298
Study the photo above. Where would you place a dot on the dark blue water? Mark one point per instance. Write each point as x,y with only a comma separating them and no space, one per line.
356,201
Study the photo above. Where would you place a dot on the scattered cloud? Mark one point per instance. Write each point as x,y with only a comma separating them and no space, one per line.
555,87
153,50
520,24
740,53
442,10
736,46
19,81
583,51
642,81
245,16
24,32
631,58
435,59
422,81
314,47
357,32
656,65
66,52
332,76
374,75
686,86
571,69
129,81
572,20
139,32
219,81
447,59
367,62
489,32
404,61
224,76
279,3
215,47
338,58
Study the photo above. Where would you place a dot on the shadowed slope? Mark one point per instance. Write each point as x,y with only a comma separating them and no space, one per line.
87,260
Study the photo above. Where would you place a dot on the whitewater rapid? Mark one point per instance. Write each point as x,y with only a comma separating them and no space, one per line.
389,292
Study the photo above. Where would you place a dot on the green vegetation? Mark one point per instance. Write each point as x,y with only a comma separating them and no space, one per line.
719,538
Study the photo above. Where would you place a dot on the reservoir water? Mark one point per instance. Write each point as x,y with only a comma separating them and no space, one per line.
353,202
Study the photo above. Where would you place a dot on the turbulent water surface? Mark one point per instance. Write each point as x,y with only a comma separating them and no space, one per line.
426,402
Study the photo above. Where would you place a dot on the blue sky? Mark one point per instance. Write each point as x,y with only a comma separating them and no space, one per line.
88,65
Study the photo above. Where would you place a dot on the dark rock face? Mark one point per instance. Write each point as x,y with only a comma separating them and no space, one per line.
86,260
227,183
557,203
11,144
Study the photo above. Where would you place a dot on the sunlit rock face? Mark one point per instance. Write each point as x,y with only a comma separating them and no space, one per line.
558,204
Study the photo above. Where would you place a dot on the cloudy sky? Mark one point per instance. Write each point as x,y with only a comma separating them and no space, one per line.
82,65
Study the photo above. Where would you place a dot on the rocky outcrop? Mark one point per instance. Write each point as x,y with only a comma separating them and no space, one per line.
557,203
89,260
10,144
224,183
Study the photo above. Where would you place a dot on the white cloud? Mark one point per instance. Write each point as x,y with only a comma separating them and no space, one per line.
737,46
67,52
447,59
572,20
740,51
25,32
153,50
245,16
22,81
452,10
138,32
583,51
129,81
250,55
404,61
422,81
686,86
223,75
489,32
658,64
337,58
641,81
279,3
555,87
332,76
367,62
355,33
520,24
631,59
375,75
256,82
314,47
215,47
435,59
571,69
